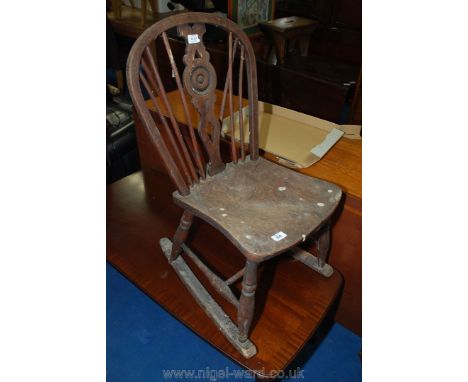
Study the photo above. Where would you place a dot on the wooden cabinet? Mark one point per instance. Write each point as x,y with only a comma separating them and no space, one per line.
339,33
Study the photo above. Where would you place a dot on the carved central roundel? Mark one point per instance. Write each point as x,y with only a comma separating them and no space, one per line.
200,79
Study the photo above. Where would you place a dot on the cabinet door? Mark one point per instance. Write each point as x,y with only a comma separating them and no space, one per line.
347,13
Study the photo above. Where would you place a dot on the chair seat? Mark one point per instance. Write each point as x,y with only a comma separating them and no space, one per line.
263,208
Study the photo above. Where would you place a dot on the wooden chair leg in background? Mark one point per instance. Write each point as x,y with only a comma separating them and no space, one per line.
247,300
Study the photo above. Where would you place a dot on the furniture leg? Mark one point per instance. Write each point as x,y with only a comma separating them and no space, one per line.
280,46
229,329
266,49
304,40
117,9
181,235
292,44
120,79
247,300
154,9
143,12
323,245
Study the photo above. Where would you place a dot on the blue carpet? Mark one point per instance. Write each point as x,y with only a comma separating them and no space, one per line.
144,341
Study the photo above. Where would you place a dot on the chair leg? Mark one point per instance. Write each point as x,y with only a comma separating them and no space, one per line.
229,329
317,263
247,300
181,235
323,245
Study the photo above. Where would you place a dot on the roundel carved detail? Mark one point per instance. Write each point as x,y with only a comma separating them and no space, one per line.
200,78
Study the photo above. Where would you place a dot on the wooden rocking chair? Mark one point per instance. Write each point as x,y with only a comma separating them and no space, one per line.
264,209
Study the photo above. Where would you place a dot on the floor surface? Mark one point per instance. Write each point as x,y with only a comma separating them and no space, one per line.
146,344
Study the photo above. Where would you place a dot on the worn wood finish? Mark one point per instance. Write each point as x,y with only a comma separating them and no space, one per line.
291,299
247,300
199,82
312,261
342,166
181,235
217,282
252,201
236,337
323,245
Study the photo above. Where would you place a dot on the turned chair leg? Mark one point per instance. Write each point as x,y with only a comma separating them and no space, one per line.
247,300
323,245
181,235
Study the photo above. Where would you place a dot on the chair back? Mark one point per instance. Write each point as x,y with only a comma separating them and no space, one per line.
189,158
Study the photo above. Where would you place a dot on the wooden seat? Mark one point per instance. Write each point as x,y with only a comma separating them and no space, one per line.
252,201
264,209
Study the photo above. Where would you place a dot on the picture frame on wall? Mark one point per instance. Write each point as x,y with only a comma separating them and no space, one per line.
248,13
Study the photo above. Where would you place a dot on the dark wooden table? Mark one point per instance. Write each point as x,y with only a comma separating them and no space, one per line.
292,300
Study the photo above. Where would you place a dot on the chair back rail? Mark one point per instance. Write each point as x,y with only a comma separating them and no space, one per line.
183,157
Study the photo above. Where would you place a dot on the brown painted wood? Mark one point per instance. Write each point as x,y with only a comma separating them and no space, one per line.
253,200
291,299
342,166
199,81
181,234
268,208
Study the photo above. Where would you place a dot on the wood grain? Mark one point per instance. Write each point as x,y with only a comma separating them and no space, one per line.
342,166
292,299
253,200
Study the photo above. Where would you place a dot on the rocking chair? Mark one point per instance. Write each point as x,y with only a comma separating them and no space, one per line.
264,209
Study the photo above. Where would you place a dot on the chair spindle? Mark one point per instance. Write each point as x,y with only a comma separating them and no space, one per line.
241,119
167,129
231,108
180,88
